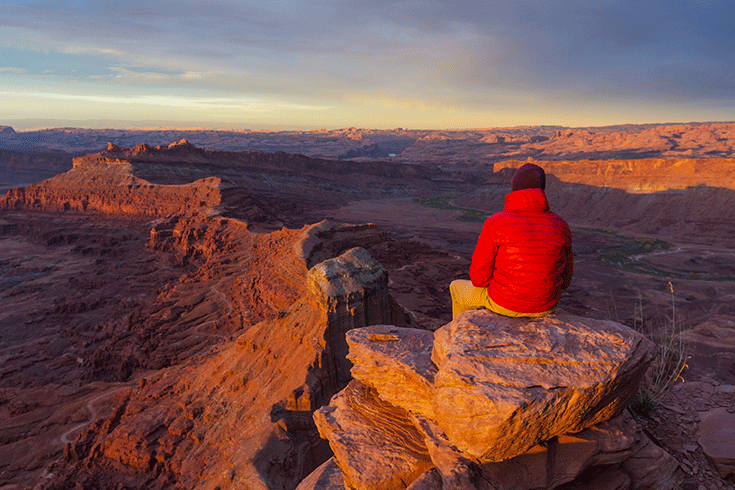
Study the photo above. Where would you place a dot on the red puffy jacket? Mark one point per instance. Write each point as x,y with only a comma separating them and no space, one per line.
524,254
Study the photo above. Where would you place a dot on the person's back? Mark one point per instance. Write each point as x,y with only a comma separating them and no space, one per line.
523,258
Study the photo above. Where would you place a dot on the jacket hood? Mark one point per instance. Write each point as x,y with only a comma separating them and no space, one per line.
527,200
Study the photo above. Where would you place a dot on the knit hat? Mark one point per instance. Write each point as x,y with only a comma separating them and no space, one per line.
529,176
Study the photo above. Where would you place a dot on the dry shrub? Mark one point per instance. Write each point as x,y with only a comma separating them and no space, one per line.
669,362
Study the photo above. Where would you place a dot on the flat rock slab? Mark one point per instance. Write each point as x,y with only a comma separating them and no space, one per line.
505,384
717,438
397,363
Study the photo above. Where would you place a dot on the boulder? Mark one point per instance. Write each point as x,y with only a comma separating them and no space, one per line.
650,467
326,477
493,403
717,438
375,445
505,384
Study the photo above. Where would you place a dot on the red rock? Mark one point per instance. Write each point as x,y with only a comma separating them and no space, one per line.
651,467
563,459
397,363
375,444
506,384
326,477
717,438
240,414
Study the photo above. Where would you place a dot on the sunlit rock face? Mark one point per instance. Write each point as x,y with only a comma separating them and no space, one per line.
375,443
486,402
109,185
353,291
505,384
397,363
641,176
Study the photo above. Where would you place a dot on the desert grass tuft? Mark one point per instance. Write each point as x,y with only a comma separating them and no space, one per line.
669,362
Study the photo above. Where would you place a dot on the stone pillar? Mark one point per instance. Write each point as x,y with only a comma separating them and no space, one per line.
353,290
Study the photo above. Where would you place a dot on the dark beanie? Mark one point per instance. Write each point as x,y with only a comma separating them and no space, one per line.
529,176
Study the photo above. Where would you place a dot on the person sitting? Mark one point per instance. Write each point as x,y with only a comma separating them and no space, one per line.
523,257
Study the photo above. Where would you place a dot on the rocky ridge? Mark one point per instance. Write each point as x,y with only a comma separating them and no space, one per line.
251,396
258,187
447,147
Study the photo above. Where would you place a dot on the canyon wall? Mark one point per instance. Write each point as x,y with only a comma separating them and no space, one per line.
681,199
640,176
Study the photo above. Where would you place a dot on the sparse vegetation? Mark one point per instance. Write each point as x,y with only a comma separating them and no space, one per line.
626,257
623,256
444,202
669,362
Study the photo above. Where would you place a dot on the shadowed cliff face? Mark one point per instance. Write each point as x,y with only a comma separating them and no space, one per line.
699,212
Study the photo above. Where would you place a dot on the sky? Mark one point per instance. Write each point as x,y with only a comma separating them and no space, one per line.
298,64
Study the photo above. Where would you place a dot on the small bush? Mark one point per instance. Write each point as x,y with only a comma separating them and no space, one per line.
669,362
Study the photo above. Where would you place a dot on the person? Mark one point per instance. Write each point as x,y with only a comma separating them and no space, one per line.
523,257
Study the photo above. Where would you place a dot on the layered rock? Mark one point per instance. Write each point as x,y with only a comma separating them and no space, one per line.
642,176
397,361
110,187
499,403
375,444
352,290
240,414
505,384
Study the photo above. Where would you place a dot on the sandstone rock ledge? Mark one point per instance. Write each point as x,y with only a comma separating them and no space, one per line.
490,402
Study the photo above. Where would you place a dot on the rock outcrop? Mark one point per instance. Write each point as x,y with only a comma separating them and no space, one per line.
112,188
180,178
489,402
505,384
642,176
240,414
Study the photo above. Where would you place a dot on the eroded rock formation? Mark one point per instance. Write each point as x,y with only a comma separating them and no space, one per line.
489,402
239,415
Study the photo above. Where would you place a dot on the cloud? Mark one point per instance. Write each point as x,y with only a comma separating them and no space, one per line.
456,55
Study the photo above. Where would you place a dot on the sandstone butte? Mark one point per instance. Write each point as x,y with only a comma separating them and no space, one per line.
485,402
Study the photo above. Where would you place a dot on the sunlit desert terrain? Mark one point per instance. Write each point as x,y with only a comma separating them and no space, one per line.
150,291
